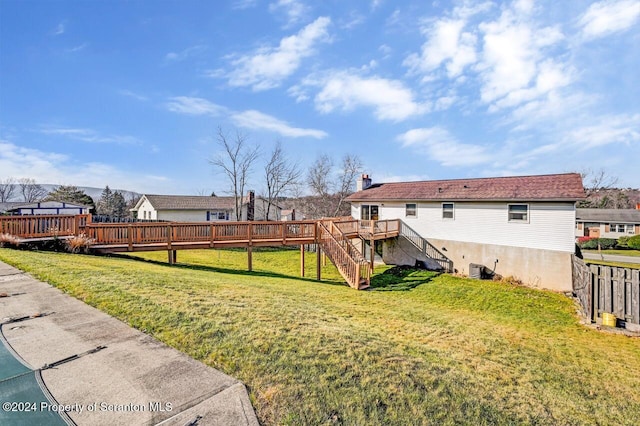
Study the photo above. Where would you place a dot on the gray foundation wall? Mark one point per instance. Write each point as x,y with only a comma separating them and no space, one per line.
535,267
538,268
399,251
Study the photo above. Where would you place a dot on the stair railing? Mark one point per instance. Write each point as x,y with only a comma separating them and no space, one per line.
353,267
425,247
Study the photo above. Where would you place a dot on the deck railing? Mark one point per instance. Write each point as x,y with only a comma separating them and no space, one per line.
379,228
41,226
171,232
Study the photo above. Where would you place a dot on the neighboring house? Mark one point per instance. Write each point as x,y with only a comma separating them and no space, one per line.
192,208
6,206
290,214
607,223
517,226
47,207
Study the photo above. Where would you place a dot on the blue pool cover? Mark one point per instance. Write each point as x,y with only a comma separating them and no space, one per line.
23,397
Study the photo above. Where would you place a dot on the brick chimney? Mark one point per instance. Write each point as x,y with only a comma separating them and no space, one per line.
251,206
363,183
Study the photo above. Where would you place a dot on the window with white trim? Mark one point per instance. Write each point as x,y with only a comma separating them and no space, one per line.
518,213
411,210
369,212
447,210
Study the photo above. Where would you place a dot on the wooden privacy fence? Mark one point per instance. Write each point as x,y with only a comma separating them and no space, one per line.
41,226
608,289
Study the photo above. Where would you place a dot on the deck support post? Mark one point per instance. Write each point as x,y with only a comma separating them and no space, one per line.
372,242
302,260
249,247
172,256
318,262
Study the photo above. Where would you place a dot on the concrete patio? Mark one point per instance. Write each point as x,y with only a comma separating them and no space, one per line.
134,379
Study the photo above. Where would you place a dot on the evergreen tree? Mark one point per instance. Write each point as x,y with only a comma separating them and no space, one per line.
70,194
112,203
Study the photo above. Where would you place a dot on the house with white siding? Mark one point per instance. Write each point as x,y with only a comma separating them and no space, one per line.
520,226
193,208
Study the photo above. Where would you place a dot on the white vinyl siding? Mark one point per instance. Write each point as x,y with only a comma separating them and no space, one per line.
550,225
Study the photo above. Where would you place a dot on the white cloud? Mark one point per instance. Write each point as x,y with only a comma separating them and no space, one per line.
446,43
88,135
56,168
253,119
295,10
375,4
269,66
607,17
60,28
194,106
343,90
250,119
438,144
244,4
514,66
624,129
184,54
77,48
133,95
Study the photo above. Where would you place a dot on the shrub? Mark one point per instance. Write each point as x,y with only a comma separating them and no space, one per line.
8,240
595,243
79,243
634,242
590,244
582,240
623,243
607,243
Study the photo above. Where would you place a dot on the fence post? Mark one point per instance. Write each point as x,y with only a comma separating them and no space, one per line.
130,236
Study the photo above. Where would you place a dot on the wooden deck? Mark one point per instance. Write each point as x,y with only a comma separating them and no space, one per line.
331,235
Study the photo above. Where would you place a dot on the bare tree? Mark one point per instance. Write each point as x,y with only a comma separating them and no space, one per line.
31,191
351,168
319,176
7,187
330,189
280,175
235,162
599,187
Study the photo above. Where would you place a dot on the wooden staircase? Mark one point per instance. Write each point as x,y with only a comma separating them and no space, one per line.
351,264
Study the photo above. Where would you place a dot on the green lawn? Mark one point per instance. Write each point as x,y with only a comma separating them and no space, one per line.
616,264
633,253
429,350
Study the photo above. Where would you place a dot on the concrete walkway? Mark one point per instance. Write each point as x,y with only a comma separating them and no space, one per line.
610,257
134,380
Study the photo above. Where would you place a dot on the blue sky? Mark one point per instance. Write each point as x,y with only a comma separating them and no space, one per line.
131,93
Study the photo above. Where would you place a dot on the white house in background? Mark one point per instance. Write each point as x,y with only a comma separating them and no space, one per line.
608,223
519,226
47,207
192,208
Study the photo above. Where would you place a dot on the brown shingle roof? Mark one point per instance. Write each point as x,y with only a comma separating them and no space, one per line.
558,187
192,202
